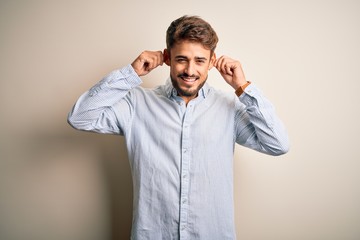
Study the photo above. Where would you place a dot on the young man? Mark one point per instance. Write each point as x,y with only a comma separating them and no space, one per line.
180,136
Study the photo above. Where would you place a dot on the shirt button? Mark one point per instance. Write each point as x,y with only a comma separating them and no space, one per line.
184,200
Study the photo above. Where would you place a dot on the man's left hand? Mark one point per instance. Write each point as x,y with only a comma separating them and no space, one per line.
231,71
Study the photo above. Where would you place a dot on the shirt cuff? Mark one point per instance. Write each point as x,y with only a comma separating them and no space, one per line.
123,78
128,74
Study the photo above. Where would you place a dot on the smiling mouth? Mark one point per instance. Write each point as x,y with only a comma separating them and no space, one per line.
189,79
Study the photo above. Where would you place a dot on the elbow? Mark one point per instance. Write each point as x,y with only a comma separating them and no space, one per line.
77,123
281,149
276,148
283,145
72,122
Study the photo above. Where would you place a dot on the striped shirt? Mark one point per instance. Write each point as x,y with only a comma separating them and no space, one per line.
181,156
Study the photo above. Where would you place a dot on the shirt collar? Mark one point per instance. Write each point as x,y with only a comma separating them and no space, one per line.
171,91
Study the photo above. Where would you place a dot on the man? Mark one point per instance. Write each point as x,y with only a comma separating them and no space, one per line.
180,136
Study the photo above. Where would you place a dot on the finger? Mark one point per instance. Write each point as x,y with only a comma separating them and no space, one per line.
223,65
232,66
157,59
219,63
146,62
228,70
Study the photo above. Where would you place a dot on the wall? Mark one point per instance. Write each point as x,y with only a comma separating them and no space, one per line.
58,183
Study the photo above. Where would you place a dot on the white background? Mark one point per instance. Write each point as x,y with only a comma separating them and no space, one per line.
58,183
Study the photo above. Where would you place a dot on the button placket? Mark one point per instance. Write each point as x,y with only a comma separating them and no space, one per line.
185,165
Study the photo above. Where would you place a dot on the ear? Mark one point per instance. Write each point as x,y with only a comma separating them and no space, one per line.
212,60
166,56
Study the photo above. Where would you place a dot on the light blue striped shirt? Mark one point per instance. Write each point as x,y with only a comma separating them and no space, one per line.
181,157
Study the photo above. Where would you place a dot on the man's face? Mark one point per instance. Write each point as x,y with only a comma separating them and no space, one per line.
189,65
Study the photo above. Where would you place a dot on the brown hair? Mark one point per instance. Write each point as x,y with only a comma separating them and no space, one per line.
191,28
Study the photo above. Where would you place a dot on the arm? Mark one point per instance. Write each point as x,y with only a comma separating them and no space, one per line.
257,125
94,110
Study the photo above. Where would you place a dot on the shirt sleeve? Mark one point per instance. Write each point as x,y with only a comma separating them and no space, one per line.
94,110
257,125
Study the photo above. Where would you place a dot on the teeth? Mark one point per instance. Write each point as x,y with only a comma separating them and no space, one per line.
189,79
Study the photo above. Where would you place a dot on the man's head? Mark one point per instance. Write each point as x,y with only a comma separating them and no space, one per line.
193,29
190,53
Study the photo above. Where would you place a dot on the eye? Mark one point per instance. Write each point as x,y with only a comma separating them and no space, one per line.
200,62
181,60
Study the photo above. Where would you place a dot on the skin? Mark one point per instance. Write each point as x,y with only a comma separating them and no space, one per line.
189,64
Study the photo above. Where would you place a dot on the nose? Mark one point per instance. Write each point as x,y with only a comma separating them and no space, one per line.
190,68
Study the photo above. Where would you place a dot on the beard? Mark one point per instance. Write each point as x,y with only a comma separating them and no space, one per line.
186,92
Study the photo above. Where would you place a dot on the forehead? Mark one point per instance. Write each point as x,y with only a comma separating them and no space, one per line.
190,49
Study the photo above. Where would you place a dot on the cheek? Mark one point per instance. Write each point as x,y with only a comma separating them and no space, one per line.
204,71
176,69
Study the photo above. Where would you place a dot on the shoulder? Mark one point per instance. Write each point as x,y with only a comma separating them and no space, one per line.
224,100
146,93
221,95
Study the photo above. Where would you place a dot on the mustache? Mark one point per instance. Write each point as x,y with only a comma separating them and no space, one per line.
185,75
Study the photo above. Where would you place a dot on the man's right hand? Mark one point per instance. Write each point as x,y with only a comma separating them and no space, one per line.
147,61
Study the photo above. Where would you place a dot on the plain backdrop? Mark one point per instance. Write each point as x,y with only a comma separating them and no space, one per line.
57,183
